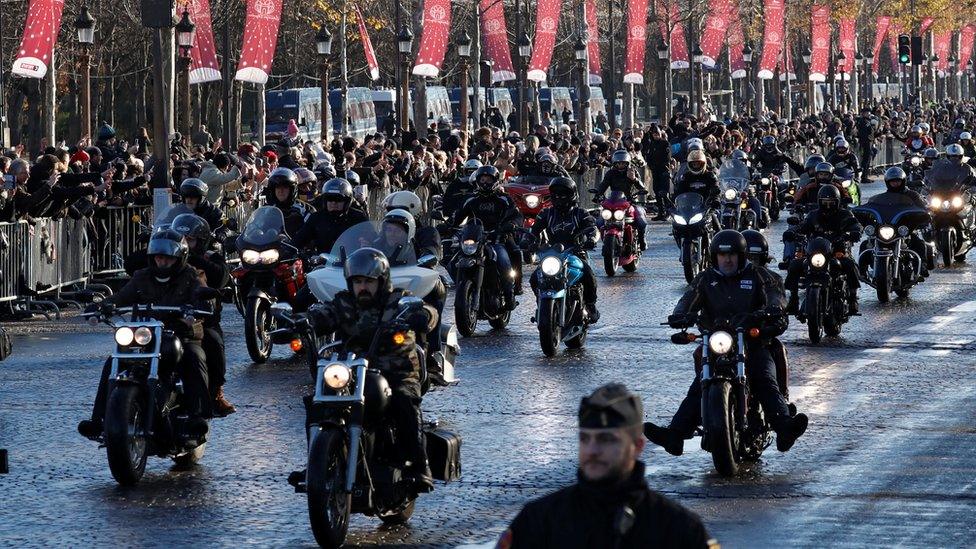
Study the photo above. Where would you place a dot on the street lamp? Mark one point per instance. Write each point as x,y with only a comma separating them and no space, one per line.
869,76
186,32
842,65
464,53
950,77
405,47
694,91
934,75
747,59
807,55
323,44
580,51
85,25
856,73
664,55
525,50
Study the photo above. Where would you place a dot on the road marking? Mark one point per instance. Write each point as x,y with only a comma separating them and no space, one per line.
965,307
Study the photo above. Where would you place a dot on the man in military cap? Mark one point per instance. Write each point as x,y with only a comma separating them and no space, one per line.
610,505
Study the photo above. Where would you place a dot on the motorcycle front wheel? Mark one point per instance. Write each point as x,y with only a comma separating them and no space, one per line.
126,442
946,248
257,328
465,309
882,282
813,311
328,503
720,426
550,333
690,262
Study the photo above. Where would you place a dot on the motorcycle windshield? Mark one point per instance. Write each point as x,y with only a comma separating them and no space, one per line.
389,238
688,204
266,226
733,176
734,169
167,218
891,209
616,198
946,176
532,181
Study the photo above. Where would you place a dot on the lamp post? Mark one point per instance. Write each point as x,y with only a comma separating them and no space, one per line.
694,87
323,44
405,47
934,76
186,33
85,25
969,77
869,77
464,53
525,51
842,66
664,95
811,102
580,51
855,86
747,59
950,78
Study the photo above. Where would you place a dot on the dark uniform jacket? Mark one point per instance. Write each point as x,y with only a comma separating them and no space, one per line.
323,228
620,182
494,210
143,289
705,184
585,516
717,297
831,225
561,227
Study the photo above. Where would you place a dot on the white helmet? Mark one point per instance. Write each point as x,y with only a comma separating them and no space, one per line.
925,127
697,156
404,219
404,200
965,136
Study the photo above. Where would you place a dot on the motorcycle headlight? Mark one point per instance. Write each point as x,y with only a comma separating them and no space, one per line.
142,335
886,232
619,214
695,218
532,200
765,181
337,376
680,220
469,246
845,183
124,336
935,202
869,230
957,202
902,230
818,260
720,343
551,265
730,194
250,257
915,161
606,214
269,256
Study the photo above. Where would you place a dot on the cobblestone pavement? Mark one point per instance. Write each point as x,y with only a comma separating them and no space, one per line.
888,458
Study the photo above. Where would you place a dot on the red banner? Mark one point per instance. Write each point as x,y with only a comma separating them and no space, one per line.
926,23
496,41
433,43
260,40
943,40
894,29
736,42
880,30
966,36
820,50
203,56
593,43
40,36
716,27
546,23
848,41
670,25
773,39
636,42
374,68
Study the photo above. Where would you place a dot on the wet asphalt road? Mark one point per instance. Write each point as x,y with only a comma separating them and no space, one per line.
889,458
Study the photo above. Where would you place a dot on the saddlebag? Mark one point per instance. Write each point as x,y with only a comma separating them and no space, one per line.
444,454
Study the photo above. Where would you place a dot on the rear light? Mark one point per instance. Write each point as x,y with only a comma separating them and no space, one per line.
753,332
296,345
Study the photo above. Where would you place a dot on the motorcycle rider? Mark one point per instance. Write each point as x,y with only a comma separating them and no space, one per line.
461,189
208,260
895,181
610,485
622,178
334,214
731,287
497,212
427,239
916,141
838,225
566,223
824,176
194,194
757,252
698,179
969,149
356,315
809,170
281,193
768,159
843,157
166,281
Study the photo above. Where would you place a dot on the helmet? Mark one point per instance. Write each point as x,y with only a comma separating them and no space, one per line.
740,155
696,157
954,151
486,186
563,193
167,243
916,130
193,226
757,247
694,144
325,171
828,198
368,263
305,175
403,219
931,153
728,241
620,156
841,145
895,173
470,167
965,136
812,162
547,159
283,177
404,200
960,123
769,142
336,189
353,178
193,188
924,126
825,172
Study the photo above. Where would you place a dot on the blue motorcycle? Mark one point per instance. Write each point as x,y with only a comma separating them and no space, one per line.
560,312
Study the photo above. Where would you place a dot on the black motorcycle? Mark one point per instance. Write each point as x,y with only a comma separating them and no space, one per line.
951,207
354,465
887,261
769,194
479,292
825,304
691,225
734,196
143,414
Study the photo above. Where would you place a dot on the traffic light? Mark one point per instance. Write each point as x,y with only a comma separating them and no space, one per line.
904,49
917,56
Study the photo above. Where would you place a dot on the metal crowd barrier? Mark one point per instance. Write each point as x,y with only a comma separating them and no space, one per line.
117,232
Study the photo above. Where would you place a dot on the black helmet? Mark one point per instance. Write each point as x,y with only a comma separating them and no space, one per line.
337,189
619,157
325,172
486,185
193,226
728,241
825,172
283,177
895,173
193,188
769,142
168,243
828,198
353,178
563,193
812,162
368,263
931,153
740,155
757,247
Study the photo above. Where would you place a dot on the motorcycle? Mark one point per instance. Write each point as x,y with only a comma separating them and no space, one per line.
691,224
886,262
560,312
734,212
848,181
268,279
479,290
734,429
143,414
768,193
825,303
530,194
913,164
620,246
354,465
953,217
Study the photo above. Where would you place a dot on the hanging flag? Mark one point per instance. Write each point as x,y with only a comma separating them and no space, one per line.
496,41
881,29
40,36
203,56
546,23
772,39
926,23
820,52
965,47
374,68
943,42
848,39
636,42
672,26
260,40
736,43
593,43
433,43
716,27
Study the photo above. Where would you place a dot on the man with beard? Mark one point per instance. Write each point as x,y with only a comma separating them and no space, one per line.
611,504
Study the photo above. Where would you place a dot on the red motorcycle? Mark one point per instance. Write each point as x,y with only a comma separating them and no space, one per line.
530,194
616,222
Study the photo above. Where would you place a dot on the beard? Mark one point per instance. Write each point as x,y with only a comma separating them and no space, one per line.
364,298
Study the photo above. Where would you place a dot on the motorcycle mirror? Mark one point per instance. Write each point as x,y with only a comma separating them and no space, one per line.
427,261
410,302
680,338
